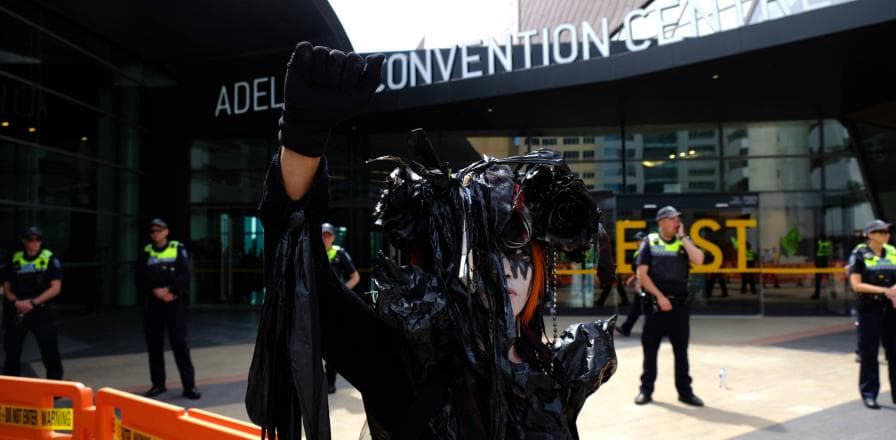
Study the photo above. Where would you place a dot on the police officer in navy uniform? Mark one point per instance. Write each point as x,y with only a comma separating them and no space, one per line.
162,276
663,261
32,278
341,262
872,275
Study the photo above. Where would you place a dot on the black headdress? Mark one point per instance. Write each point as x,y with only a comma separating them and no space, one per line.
451,303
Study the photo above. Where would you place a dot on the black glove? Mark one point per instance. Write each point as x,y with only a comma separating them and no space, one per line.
322,88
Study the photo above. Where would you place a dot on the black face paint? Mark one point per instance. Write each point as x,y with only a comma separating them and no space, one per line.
520,263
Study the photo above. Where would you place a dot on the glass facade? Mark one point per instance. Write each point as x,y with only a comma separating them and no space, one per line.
799,180
70,144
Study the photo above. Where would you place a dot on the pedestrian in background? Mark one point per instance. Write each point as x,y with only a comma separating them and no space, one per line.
638,303
664,260
162,275
32,278
872,275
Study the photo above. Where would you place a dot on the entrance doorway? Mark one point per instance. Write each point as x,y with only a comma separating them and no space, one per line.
228,257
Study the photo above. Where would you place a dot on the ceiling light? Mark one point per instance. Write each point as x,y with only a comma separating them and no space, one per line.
32,130
83,138
681,154
692,152
4,124
671,156
715,76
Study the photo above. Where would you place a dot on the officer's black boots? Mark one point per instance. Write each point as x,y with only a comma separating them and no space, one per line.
155,391
192,393
870,403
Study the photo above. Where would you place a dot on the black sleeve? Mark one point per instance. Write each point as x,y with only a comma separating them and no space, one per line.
348,267
54,270
856,263
6,275
308,303
643,254
181,284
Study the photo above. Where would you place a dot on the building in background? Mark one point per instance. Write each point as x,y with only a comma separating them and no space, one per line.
780,111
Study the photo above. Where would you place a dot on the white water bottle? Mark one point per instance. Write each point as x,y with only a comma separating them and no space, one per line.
723,379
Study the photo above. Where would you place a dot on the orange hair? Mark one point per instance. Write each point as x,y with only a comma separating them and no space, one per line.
536,288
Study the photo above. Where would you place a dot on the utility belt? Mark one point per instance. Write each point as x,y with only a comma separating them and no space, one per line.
877,297
650,304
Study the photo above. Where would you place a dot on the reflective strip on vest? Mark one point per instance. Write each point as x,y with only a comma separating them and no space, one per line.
167,255
39,264
658,246
332,251
875,263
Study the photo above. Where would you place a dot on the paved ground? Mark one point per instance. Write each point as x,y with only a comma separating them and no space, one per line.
787,378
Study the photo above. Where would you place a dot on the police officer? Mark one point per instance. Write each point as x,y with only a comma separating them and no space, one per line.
634,312
872,275
33,277
162,276
342,264
663,261
340,260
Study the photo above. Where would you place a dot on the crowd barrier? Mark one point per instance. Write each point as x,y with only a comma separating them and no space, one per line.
27,412
27,409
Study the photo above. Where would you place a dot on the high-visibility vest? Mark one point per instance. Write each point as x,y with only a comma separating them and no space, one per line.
39,264
825,248
165,256
879,270
332,252
30,280
666,262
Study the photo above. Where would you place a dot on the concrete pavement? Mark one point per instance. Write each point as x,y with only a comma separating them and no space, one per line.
787,378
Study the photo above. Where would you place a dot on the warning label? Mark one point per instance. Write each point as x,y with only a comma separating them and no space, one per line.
50,419
126,433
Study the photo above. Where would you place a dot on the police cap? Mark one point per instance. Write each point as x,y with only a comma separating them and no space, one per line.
877,225
327,228
159,222
667,212
33,231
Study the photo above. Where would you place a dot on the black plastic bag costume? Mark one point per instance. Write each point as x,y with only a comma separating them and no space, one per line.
431,359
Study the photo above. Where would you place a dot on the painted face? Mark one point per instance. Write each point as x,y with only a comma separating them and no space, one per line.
518,272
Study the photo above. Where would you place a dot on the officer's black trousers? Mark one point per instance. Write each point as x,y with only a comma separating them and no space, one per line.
633,313
877,326
157,318
676,325
40,322
605,290
711,281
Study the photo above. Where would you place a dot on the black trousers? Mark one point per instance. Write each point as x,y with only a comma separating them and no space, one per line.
711,281
159,317
605,290
877,326
634,312
40,322
676,325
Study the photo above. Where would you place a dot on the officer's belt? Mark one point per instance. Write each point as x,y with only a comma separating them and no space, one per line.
874,297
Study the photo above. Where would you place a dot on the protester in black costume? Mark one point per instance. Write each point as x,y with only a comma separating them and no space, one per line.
448,352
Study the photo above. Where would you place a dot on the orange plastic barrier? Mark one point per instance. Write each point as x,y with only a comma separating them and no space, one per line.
147,419
27,410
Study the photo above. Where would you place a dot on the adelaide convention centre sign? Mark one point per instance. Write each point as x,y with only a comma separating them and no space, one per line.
664,22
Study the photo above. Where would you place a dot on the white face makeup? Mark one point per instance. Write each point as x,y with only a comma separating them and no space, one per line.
519,276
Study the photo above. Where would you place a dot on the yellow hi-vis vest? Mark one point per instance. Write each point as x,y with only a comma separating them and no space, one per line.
332,252
165,256
40,264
